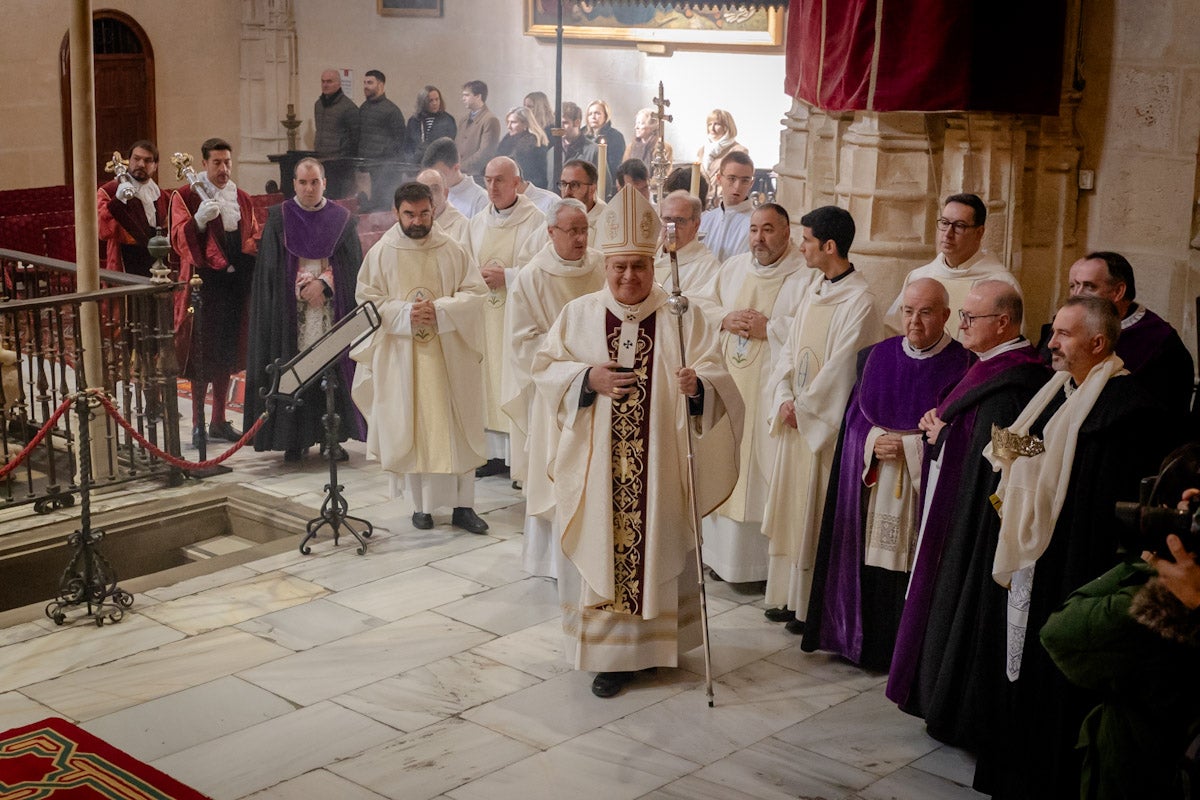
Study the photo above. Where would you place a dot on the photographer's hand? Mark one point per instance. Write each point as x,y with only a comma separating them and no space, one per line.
1182,576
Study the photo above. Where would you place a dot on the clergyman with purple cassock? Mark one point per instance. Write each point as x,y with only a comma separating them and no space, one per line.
307,268
951,635
868,532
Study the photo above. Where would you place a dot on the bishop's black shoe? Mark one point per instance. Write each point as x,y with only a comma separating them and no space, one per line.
780,614
796,626
468,520
494,466
610,684
422,522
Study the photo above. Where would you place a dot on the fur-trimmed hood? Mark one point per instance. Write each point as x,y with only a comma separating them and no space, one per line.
1156,608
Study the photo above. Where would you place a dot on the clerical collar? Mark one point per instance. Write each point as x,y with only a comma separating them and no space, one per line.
928,352
964,266
576,263
505,213
1136,312
1011,344
740,207
317,207
840,277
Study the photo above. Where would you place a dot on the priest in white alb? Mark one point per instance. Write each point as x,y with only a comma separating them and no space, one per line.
725,229
418,381
447,217
698,267
564,269
501,238
752,301
611,369
810,387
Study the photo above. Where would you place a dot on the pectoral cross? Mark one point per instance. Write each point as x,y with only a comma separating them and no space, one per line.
661,166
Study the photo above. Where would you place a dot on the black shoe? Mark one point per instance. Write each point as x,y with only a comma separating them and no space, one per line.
494,466
796,626
422,522
197,436
468,520
517,485
223,430
610,684
779,614
293,454
339,453
713,576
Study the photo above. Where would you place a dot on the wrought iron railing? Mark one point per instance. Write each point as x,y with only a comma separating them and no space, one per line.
43,363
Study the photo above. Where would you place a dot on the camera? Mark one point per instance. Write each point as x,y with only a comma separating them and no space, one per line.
1148,522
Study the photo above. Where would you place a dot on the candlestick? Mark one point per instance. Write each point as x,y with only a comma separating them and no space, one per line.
695,190
602,166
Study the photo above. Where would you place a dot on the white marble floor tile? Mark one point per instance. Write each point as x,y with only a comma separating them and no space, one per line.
432,761
124,682
775,770
394,554
537,650
16,710
751,703
950,763
26,631
626,769
316,785
494,565
508,608
313,623
691,787
281,748
867,732
737,638
202,582
77,646
176,722
406,593
236,602
828,667
564,707
429,694
913,783
348,664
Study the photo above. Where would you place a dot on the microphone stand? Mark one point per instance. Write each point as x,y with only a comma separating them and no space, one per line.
678,305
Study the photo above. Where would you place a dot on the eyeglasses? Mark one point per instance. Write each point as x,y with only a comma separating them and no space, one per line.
969,319
582,231
572,186
959,226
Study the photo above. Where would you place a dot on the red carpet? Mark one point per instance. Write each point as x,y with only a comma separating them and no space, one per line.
55,759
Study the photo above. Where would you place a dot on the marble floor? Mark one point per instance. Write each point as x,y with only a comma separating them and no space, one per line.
432,667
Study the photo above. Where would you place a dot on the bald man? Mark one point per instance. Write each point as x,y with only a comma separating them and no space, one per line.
501,239
335,120
452,221
869,528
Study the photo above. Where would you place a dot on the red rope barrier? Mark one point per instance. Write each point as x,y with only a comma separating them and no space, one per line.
174,460
37,439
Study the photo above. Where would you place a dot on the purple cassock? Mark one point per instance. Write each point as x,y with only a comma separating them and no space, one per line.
959,530
894,390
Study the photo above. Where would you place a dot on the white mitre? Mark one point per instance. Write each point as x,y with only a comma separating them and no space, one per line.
628,225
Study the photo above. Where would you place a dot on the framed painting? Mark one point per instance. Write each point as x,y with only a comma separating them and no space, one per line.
409,8
725,24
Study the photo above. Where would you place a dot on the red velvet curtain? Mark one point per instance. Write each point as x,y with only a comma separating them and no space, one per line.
927,55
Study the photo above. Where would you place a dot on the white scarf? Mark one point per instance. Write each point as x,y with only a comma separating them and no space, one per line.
147,192
713,150
1032,490
226,198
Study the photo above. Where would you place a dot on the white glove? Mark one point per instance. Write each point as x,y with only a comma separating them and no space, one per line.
126,192
206,213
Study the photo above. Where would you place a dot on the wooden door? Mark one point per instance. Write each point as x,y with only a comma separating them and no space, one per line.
124,74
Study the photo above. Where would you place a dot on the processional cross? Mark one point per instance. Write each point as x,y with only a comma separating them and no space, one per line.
661,166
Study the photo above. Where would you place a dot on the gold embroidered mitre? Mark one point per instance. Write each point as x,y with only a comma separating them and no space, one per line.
628,225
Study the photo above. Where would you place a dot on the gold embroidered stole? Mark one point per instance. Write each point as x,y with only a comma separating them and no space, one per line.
745,359
631,345
431,384
499,244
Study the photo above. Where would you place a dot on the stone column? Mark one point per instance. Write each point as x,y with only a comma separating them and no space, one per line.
794,148
887,182
824,148
269,68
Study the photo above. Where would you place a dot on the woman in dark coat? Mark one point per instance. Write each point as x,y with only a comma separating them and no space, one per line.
526,144
430,121
598,119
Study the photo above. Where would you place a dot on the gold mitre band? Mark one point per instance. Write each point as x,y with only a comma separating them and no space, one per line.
1008,444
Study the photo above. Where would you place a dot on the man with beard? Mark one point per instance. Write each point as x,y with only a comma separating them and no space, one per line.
869,527
307,264
578,181
418,381
127,226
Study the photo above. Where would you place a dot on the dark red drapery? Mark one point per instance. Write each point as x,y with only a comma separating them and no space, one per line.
926,55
